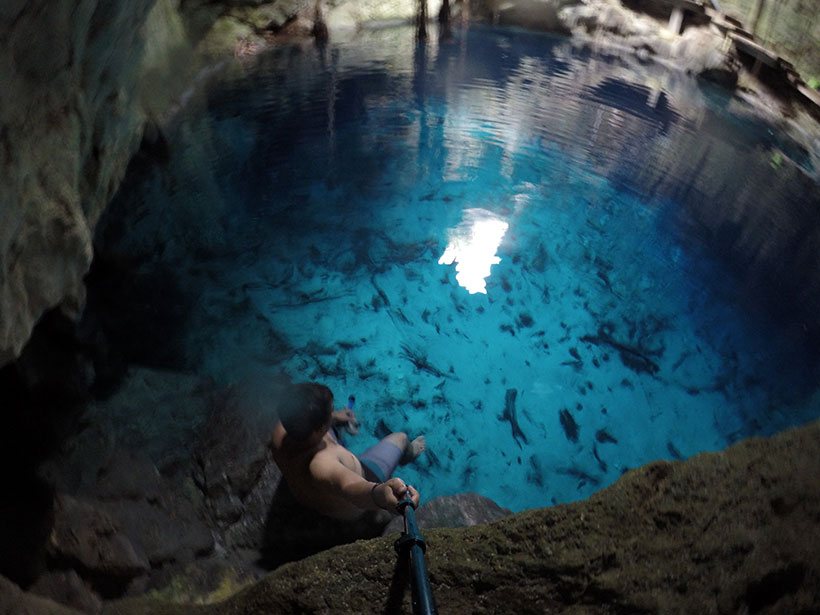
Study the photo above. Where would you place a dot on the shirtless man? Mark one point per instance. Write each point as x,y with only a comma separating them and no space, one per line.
325,476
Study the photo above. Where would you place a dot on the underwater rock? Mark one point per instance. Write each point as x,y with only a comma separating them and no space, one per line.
654,542
601,463
540,259
524,320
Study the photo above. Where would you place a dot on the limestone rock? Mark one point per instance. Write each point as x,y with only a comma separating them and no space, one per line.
351,13
85,536
721,532
232,451
248,531
66,587
128,476
14,601
156,412
702,52
203,581
70,123
163,532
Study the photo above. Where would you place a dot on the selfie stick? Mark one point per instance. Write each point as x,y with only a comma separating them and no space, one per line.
412,543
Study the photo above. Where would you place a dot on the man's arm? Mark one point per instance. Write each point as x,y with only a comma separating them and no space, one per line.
361,493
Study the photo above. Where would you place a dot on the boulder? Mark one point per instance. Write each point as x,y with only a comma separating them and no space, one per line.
232,451
248,531
14,601
87,537
66,587
162,532
128,476
159,517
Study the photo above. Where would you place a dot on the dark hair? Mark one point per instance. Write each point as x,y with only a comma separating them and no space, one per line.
305,408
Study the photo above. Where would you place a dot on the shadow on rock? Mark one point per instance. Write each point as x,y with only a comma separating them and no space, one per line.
293,532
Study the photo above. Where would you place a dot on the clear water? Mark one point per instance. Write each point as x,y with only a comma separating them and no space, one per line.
652,253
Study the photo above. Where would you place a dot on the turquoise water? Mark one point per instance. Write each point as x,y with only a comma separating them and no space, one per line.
556,265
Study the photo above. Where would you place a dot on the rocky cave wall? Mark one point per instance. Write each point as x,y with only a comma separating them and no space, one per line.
790,27
72,111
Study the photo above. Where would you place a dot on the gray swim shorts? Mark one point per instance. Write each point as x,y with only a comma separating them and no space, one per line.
380,460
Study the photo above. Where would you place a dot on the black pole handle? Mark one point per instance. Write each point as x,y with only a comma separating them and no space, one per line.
412,543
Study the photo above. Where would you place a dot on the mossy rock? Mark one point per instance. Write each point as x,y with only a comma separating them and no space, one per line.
727,532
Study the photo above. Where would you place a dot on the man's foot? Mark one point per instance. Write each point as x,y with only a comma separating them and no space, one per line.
413,450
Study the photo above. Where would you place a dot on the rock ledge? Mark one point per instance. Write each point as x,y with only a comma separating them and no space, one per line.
722,532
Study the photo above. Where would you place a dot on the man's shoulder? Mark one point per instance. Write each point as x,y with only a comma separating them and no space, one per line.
325,457
326,463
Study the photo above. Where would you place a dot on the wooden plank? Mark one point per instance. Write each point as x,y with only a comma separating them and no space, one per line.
751,48
812,95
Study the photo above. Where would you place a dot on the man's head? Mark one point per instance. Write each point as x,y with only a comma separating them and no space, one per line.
306,409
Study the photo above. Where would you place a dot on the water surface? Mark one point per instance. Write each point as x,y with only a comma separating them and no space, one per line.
555,264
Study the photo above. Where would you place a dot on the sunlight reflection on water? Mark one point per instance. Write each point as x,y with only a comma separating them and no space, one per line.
472,247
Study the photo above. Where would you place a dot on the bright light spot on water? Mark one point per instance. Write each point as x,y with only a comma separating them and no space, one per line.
473,244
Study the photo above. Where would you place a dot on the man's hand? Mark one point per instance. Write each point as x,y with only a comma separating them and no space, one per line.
347,418
344,416
387,495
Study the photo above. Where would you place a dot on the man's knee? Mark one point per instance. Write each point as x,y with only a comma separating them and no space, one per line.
399,439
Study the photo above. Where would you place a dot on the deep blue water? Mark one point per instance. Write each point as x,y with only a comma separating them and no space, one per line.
651,250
